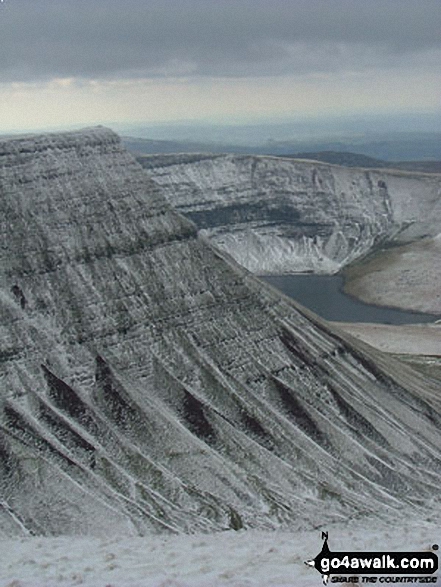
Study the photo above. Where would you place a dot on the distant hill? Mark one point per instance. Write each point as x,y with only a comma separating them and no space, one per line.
344,158
423,166
348,159
154,147
410,152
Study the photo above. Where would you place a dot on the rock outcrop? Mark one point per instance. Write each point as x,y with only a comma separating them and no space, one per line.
278,215
148,383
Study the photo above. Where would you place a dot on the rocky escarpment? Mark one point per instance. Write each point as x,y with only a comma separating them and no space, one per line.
281,215
147,383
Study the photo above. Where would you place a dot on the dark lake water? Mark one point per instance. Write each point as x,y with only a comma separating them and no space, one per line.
323,295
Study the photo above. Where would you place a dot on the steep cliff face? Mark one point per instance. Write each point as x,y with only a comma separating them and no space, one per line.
147,383
281,215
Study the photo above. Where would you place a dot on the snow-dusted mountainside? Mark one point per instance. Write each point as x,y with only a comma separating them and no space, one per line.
282,215
147,383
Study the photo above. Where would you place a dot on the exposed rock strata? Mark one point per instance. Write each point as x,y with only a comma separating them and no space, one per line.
147,383
278,215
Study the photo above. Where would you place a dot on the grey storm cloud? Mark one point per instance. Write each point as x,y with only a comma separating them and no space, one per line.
42,39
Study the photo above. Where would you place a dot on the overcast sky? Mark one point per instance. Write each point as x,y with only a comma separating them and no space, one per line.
66,62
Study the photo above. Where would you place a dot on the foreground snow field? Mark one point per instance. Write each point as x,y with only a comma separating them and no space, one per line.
245,558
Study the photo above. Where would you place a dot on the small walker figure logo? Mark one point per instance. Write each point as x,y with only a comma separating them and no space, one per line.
358,564
316,562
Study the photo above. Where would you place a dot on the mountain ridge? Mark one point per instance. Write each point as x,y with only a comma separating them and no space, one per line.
276,215
150,384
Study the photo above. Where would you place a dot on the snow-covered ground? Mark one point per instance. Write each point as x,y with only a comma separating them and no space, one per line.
413,339
275,215
150,383
406,277
245,558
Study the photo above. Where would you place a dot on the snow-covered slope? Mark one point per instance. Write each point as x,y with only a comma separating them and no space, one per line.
278,215
148,383
406,276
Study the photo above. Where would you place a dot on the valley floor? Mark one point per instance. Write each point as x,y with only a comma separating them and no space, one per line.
245,558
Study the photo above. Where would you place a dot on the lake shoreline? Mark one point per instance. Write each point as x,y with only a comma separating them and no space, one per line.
325,295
